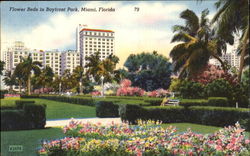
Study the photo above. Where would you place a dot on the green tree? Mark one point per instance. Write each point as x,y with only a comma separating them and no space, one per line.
149,71
199,43
231,18
66,80
10,80
45,78
2,63
27,66
97,67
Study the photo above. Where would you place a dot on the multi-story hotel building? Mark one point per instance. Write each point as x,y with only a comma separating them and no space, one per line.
70,60
95,40
231,58
53,60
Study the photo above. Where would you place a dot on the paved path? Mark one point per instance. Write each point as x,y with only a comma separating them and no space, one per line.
64,122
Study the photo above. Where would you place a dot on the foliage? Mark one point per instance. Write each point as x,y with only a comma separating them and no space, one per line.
74,100
10,80
44,79
27,116
2,63
189,89
148,138
212,72
193,102
97,67
232,18
218,101
198,44
218,88
149,71
2,92
24,69
106,109
158,93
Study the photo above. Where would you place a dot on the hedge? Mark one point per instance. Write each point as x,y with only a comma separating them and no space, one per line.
2,92
106,109
20,103
193,102
30,96
154,102
215,116
32,116
218,101
74,100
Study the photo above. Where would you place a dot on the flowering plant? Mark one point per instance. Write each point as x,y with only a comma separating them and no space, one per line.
158,93
146,138
127,90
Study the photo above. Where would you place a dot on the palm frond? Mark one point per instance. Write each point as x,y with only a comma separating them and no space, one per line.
192,21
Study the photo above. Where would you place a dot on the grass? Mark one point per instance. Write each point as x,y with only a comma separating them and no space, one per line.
29,139
59,110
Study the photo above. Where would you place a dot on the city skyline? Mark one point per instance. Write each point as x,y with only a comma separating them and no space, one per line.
143,30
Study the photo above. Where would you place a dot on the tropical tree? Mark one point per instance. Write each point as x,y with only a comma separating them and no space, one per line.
149,71
97,67
10,80
231,18
26,67
199,43
2,63
45,78
78,77
66,80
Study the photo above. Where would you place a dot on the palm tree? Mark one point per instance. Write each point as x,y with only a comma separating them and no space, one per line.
93,66
199,43
45,78
27,66
9,80
2,63
232,17
78,77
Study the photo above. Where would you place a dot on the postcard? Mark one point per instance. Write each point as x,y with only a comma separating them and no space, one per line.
124,78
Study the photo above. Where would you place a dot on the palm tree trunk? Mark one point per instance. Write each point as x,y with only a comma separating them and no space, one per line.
221,62
243,53
28,85
20,84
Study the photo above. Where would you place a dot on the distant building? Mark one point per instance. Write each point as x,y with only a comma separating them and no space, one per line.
231,58
95,40
70,60
53,60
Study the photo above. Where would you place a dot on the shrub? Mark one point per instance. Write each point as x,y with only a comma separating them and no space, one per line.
218,88
130,113
35,115
20,103
193,102
158,93
106,109
218,101
217,116
30,96
165,114
12,119
32,116
75,100
190,89
154,102
2,92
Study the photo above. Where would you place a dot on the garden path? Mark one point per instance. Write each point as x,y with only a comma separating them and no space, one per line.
64,122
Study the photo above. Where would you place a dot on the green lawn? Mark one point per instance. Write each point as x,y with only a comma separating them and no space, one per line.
29,139
59,110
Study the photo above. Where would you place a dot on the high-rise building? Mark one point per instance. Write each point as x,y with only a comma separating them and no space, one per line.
53,60
231,58
96,40
70,60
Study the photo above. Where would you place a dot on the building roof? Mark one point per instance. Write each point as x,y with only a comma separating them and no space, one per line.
99,30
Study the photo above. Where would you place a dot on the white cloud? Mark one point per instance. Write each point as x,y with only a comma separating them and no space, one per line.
135,31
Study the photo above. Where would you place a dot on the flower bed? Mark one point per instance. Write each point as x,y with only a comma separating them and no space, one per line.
146,138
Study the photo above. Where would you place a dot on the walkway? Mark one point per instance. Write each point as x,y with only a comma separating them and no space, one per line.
64,122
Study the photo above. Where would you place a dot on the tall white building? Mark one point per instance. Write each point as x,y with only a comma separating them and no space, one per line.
53,60
231,58
70,60
95,40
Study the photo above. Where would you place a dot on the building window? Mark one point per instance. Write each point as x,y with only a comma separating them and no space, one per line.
103,39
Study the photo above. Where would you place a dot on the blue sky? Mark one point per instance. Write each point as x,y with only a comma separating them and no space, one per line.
146,30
